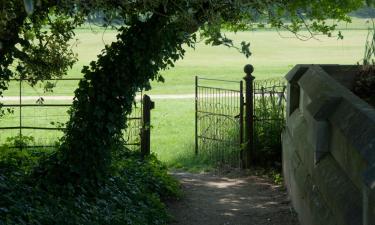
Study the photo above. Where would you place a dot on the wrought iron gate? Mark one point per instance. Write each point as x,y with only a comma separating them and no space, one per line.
219,120
233,132
36,122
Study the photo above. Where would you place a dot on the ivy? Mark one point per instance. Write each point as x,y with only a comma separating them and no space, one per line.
132,195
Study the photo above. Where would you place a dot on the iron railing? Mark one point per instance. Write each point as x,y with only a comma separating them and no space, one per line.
35,118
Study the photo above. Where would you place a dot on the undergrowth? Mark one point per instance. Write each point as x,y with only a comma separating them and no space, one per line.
133,194
364,85
268,126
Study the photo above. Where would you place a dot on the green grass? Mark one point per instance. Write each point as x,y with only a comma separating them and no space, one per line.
48,117
172,133
172,136
34,117
274,54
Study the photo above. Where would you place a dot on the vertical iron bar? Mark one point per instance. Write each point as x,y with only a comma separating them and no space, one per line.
20,114
196,115
241,120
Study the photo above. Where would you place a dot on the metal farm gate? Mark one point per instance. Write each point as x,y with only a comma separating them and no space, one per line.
35,119
219,120
236,126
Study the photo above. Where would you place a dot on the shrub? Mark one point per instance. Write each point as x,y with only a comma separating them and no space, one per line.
132,195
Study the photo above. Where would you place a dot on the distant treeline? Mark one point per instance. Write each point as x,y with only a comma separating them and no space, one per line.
365,12
99,18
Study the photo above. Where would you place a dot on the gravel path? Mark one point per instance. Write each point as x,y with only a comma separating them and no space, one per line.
218,200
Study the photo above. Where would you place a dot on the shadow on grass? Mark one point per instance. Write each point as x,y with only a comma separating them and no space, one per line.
189,161
204,161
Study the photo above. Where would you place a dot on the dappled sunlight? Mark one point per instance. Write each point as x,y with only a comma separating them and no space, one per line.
225,184
213,199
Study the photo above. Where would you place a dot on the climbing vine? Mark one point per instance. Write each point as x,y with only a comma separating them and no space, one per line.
102,101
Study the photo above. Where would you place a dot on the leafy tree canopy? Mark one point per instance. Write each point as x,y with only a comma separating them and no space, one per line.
34,44
43,53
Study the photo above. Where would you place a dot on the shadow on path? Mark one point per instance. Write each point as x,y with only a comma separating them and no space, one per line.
218,200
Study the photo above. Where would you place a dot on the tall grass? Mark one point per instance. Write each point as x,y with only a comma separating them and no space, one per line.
225,150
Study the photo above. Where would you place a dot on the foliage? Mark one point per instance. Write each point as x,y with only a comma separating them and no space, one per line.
364,85
277,178
20,141
131,196
25,44
16,162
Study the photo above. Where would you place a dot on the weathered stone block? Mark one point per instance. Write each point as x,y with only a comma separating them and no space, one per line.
329,147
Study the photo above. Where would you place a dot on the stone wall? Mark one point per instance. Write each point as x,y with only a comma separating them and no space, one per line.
329,147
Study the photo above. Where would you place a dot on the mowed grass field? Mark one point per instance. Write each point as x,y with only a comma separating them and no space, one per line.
273,55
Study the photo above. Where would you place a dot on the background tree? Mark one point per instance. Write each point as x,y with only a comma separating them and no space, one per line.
150,39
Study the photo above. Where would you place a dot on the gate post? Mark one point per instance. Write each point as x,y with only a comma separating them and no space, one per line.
248,155
146,125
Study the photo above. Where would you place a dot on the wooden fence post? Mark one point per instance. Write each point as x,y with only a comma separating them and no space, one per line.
146,125
249,116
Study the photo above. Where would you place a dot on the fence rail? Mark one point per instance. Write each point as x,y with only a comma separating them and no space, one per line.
41,121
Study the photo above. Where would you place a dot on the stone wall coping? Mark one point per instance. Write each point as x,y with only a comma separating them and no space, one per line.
348,107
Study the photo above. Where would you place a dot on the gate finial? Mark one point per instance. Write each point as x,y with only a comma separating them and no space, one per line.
248,69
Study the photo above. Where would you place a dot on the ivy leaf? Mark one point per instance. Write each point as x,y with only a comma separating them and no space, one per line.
245,49
160,78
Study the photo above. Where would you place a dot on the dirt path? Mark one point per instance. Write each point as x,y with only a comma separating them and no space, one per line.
219,200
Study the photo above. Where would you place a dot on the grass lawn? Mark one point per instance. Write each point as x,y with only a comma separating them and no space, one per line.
172,134
274,54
